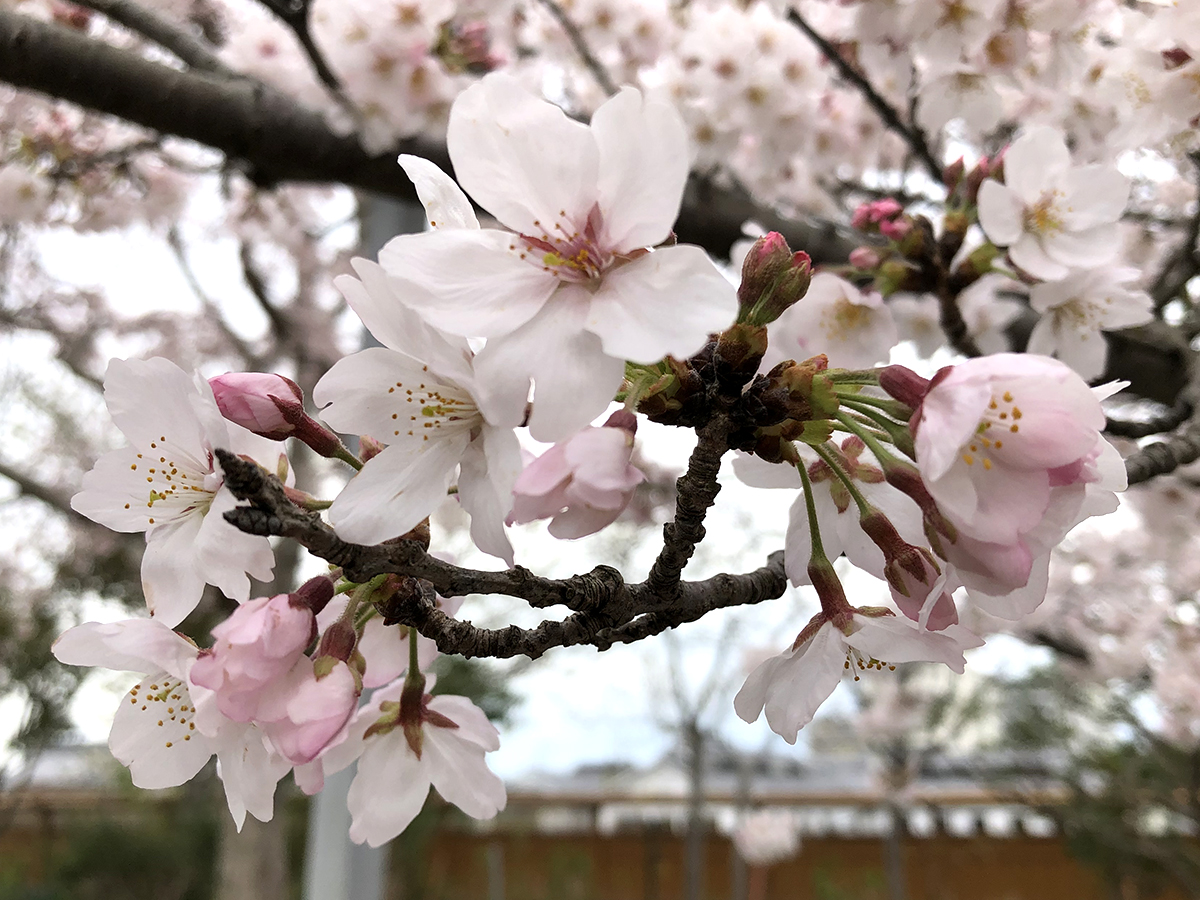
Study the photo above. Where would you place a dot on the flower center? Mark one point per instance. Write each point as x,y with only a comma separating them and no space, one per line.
856,662
1002,415
571,253
843,318
166,703
177,483
430,409
1044,217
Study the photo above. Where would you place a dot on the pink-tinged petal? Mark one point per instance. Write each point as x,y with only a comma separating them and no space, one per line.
1029,254
520,157
134,645
310,777
797,545
1001,213
948,419
1021,602
249,773
473,724
490,465
171,582
446,206
643,169
1090,247
574,379
226,554
388,791
470,283
115,494
896,640
385,648
378,301
153,398
664,303
160,749
396,490
460,774
1009,503
544,474
802,681
369,393
1095,195
994,568
756,472
1034,162
531,507
580,521
600,458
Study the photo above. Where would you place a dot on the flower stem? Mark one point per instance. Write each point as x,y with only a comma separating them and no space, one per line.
843,476
873,444
347,457
814,530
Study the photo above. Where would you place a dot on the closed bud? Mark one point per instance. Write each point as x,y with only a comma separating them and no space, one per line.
369,448
338,641
904,384
865,258
773,278
267,404
313,594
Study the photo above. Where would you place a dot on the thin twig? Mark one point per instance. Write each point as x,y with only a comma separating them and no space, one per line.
911,133
294,14
579,42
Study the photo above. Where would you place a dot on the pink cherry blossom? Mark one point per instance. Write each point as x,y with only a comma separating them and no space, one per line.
582,483
311,711
571,291
256,401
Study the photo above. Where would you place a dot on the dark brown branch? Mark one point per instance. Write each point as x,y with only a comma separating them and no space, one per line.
274,139
1183,263
166,34
910,133
1180,448
575,36
606,610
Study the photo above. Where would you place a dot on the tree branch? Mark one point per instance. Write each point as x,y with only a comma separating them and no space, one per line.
606,610
274,139
911,134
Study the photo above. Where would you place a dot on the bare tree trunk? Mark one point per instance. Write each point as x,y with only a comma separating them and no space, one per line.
693,739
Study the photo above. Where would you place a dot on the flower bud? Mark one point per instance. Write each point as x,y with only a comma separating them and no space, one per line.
773,278
313,594
369,448
904,384
865,258
272,407
338,641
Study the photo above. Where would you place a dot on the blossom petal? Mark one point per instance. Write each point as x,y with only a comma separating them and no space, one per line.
395,491
388,791
153,399
896,640
1095,195
460,774
134,645
520,157
446,206
1029,254
490,466
159,749
470,283
225,554
1034,161
171,580
757,472
1000,213
664,303
643,169
249,773
473,724
115,494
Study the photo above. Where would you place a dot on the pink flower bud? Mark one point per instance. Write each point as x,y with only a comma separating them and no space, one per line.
256,646
904,384
314,594
582,483
864,258
269,405
773,278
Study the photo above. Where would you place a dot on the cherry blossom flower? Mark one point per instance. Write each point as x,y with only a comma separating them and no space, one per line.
393,779
1051,215
418,394
1075,311
167,484
793,685
852,328
166,729
570,292
581,484
307,712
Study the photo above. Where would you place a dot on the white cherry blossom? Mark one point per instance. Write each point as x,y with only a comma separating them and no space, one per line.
168,484
165,728
1052,216
570,292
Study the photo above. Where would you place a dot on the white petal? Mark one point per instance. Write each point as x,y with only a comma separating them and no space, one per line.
445,204
115,493
152,399
1034,161
471,283
225,554
757,472
896,640
490,465
1095,195
171,580
520,157
388,791
643,169
396,490
664,303
1029,254
803,681
461,776
249,773
473,724
1001,213
134,645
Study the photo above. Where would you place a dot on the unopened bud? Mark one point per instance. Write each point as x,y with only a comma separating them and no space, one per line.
267,404
338,641
623,419
773,278
314,593
864,258
899,556
904,384
369,448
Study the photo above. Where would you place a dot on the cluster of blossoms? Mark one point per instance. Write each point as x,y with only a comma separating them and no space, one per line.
966,480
